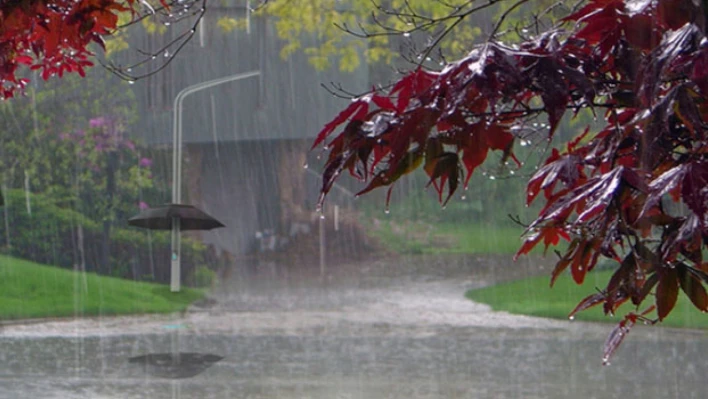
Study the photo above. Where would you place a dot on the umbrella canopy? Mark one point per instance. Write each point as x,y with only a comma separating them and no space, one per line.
160,218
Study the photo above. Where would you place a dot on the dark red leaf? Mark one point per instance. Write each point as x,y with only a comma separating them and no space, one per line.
383,102
447,169
693,189
357,109
666,292
693,287
676,13
588,302
561,265
614,340
581,258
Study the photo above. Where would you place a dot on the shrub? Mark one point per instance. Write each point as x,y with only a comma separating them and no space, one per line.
50,234
202,277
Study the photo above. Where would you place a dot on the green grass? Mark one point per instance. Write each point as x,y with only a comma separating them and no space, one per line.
447,238
533,297
31,290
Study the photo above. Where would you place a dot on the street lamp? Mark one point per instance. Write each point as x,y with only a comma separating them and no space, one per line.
177,164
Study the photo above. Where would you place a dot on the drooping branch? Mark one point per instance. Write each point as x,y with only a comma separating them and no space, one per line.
604,191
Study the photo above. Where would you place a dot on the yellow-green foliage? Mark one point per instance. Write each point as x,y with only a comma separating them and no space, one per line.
323,19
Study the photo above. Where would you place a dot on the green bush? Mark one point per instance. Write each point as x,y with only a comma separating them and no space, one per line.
50,235
202,277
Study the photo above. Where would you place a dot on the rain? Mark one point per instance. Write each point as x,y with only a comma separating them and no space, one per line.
161,238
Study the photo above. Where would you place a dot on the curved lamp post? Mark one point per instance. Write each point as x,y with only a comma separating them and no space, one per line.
177,164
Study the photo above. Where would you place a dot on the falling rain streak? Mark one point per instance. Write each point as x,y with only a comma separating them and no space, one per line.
362,297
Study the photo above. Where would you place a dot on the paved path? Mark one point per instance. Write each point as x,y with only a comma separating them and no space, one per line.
383,330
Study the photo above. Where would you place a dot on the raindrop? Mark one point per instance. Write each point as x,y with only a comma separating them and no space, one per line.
322,217
305,166
387,211
406,34
167,23
167,53
130,82
571,318
464,197
491,177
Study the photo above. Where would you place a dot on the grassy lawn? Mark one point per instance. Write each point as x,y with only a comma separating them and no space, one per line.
445,238
31,290
534,297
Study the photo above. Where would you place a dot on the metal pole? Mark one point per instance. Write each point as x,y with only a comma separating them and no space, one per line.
174,263
177,162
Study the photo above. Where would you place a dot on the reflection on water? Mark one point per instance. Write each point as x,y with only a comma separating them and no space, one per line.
358,337
472,363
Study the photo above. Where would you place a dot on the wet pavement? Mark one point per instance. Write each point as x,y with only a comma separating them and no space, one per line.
395,328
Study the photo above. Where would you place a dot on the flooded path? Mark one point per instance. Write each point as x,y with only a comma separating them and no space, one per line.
396,328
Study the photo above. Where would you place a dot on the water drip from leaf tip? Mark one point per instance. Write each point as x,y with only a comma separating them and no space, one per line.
305,166
571,318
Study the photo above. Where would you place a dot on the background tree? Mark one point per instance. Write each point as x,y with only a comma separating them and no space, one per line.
397,30
638,65
67,142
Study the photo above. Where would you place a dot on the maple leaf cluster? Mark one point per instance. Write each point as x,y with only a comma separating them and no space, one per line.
52,36
609,193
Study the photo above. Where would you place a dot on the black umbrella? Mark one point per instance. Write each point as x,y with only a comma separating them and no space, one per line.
161,217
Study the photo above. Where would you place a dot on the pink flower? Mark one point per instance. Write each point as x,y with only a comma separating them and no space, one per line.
143,205
145,162
97,122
